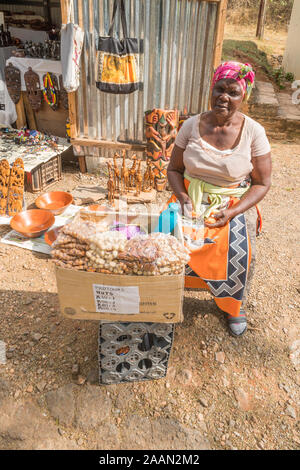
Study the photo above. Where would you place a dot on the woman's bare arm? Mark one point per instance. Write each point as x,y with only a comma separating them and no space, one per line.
175,177
260,185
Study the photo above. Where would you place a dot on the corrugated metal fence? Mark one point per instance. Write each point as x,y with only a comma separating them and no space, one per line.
178,52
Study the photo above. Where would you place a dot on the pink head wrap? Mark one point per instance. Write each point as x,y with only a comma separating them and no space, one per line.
242,73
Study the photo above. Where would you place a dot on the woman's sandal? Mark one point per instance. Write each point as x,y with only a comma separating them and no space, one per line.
237,325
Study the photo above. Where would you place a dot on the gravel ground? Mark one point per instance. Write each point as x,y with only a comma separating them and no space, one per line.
235,393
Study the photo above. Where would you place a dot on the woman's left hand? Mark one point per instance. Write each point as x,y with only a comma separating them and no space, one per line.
221,217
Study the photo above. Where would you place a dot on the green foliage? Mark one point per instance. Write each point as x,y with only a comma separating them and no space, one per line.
278,11
281,77
247,51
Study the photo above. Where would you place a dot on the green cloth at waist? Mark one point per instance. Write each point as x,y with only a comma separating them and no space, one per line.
198,187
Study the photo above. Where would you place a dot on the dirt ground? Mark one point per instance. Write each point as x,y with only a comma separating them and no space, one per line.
220,392
239,393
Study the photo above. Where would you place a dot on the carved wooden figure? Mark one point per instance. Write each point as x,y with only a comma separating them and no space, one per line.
124,175
13,82
132,172
138,179
110,185
116,173
32,82
161,130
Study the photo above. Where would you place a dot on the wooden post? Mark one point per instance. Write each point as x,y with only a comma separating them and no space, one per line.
72,97
21,115
261,19
222,7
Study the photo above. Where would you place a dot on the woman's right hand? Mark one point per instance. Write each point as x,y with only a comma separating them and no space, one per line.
186,205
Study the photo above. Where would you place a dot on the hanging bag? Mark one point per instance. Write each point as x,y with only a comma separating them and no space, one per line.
71,47
117,62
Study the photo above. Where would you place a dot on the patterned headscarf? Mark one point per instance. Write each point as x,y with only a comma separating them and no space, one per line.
243,73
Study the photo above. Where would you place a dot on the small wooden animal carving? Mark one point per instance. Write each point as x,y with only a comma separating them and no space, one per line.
124,175
132,172
110,185
116,173
138,179
4,182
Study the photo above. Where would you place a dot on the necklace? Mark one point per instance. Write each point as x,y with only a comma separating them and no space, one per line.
48,88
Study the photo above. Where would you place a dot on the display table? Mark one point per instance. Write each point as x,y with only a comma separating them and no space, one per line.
28,34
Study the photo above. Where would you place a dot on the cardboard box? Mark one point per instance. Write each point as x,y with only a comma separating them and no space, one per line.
96,296
85,295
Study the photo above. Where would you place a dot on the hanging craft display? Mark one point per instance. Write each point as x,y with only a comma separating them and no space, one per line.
161,130
117,61
33,89
13,82
63,94
50,90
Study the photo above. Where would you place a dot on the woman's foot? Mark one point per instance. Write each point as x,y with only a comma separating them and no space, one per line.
237,325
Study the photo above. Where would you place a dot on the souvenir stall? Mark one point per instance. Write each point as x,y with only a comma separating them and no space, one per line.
33,66
130,73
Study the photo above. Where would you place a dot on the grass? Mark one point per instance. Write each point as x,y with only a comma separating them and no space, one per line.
248,51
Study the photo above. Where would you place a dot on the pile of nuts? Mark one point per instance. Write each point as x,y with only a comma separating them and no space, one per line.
70,247
104,250
81,246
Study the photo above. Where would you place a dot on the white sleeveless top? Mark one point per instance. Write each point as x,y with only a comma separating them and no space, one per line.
221,167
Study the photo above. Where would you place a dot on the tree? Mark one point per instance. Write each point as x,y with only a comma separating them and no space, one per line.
261,19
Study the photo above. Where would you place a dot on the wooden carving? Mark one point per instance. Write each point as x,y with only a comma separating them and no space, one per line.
110,185
161,130
138,179
132,172
63,95
13,82
16,188
116,173
124,175
33,89
4,182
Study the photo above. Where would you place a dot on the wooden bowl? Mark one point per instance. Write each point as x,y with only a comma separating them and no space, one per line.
54,201
32,223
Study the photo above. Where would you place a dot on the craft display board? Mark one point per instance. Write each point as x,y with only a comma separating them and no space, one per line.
45,119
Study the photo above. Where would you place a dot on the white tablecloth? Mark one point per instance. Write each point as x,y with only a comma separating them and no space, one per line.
28,34
40,66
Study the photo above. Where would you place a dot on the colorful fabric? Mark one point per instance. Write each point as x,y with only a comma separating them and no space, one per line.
242,73
197,188
220,256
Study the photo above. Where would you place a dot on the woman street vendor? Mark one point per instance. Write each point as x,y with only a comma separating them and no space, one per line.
219,170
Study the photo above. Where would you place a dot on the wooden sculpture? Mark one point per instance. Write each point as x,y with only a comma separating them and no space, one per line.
116,173
4,182
132,172
161,130
16,188
32,82
63,94
124,175
110,185
138,179
13,82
